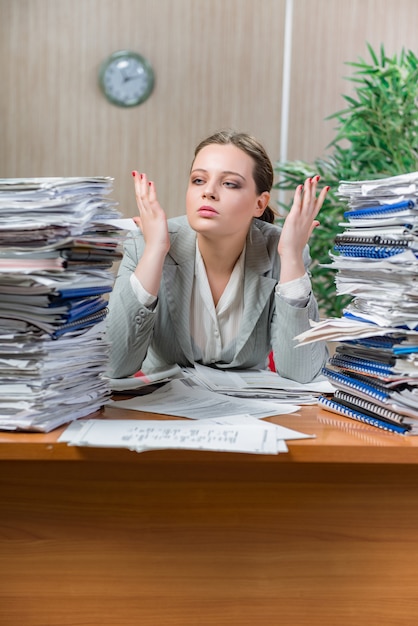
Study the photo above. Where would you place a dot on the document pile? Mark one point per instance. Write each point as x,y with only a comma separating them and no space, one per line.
253,384
257,383
375,365
57,248
234,433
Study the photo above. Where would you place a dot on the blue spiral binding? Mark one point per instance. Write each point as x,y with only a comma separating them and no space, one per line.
371,252
357,385
380,209
361,365
330,404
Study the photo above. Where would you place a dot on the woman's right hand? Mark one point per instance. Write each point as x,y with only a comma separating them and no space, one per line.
151,219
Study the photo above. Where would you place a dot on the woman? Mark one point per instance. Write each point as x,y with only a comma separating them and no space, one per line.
223,285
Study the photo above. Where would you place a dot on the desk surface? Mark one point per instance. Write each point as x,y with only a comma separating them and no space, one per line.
337,440
325,534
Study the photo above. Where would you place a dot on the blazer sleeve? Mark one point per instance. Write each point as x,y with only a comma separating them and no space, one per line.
129,324
301,363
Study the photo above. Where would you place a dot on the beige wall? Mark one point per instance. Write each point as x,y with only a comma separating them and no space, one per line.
217,63
327,34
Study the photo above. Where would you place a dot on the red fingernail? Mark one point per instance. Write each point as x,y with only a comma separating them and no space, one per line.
317,178
133,174
327,188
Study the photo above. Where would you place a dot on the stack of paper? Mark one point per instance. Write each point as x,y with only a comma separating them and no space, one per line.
375,366
257,383
253,383
237,433
57,247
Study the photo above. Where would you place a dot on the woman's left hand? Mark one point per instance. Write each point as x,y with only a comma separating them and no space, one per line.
298,227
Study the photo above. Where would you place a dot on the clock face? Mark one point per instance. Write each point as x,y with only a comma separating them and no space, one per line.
126,78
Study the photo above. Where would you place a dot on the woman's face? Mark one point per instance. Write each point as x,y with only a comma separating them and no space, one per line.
221,197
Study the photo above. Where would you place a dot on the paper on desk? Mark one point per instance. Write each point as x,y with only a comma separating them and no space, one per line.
238,433
344,329
182,400
258,381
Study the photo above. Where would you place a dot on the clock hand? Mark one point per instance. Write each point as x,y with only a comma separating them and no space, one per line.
124,77
132,77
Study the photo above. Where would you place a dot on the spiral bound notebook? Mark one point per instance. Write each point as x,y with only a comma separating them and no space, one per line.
368,388
381,209
381,342
372,240
372,237
390,365
364,366
398,396
329,404
368,407
368,251
382,354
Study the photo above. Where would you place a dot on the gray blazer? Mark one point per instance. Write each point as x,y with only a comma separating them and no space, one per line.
147,339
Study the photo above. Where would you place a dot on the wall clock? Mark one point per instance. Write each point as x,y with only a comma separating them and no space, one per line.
126,78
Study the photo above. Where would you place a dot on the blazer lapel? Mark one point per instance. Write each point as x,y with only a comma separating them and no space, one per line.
178,276
258,284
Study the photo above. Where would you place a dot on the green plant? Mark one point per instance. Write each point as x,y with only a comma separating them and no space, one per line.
376,136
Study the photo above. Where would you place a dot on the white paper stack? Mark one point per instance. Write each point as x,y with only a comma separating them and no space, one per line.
258,383
57,247
230,433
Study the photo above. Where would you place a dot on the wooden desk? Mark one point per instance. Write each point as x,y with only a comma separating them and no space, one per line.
326,534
